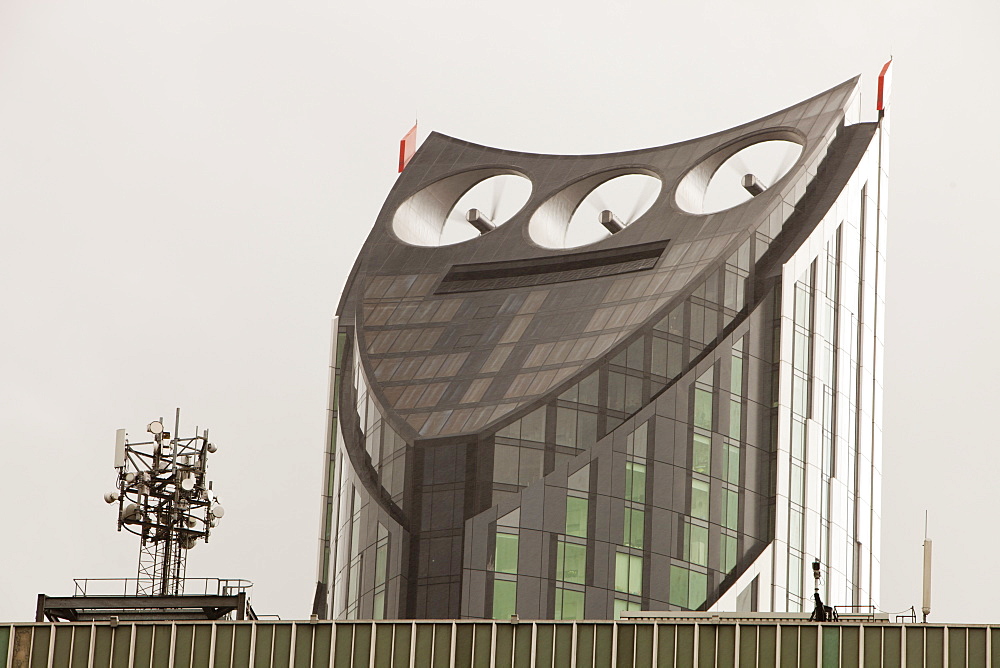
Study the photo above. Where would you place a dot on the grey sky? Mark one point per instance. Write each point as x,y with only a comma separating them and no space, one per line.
185,185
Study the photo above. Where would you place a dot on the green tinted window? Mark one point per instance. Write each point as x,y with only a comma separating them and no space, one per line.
635,482
728,554
628,573
697,590
634,527
699,499
623,606
569,604
732,511
696,544
679,586
735,415
701,453
732,464
576,516
702,408
571,562
504,599
506,553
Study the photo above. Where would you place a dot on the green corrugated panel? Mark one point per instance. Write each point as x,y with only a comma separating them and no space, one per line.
995,644
463,644
442,645
383,646
665,650
789,647
322,641
482,645
424,645
81,647
262,647
122,641
603,641
892,647
850,646
831,647
401,645
544,639
362,645
4,642
808,643
241,646
522,645
706,645
345,645
102,646
685,645
935,647
977,648
584,645
202,646
644,645
725,646
748,646
223,645
914,647
303,646
505,646
956,648
767,646
162,641
626,645
62,646
183,637
142,656
873,645
40,647
563,646
281,648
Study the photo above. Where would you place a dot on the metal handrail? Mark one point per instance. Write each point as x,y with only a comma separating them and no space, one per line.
130,586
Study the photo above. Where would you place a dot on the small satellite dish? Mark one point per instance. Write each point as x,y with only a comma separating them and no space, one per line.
155,427
212,447
110,497
130,477
218,511
187,484
131,512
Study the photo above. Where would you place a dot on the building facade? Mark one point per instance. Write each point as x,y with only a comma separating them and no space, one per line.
681,415
747,643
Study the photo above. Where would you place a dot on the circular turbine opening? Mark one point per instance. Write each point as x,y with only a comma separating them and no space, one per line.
731,177
461,207
593,209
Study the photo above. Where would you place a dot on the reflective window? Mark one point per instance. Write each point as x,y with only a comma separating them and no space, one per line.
569,603
701,455
635,482
696,544
628,573
576,516
699,499
625,606
504,599
571,562
506,553
634,527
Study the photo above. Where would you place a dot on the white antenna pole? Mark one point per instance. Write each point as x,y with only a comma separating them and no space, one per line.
926,608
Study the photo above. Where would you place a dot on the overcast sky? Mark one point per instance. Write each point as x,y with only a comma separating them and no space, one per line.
185,185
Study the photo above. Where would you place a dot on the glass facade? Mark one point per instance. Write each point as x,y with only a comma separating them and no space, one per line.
614,434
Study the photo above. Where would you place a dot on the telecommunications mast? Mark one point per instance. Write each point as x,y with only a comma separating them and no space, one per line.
164,497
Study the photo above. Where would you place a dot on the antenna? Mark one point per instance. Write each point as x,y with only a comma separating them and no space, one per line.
164,498
926,607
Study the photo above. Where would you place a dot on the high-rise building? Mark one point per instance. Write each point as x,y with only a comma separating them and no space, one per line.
677,408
